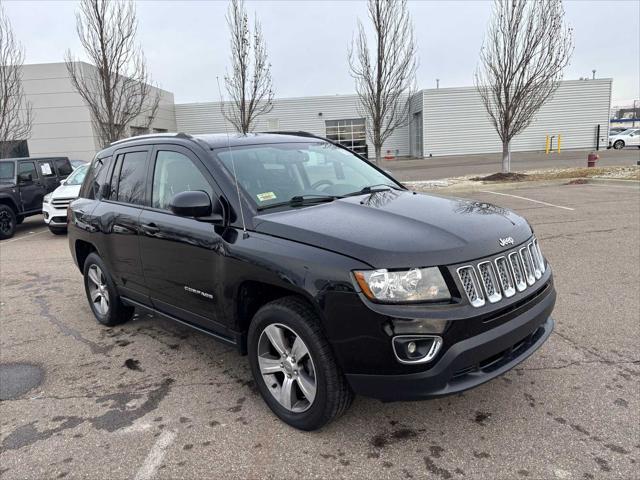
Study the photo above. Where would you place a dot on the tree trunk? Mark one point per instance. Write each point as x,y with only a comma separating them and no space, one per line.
378,150
506,157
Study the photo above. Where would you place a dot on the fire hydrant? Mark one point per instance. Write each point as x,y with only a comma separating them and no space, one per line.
591,159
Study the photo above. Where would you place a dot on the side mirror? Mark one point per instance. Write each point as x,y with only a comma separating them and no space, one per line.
25,178
198,205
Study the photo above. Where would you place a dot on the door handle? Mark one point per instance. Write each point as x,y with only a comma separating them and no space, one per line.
150,228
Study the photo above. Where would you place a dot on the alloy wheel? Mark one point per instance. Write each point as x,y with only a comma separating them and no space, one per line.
98,290
287,367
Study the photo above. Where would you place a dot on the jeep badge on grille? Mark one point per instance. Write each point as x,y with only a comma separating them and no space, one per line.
505,241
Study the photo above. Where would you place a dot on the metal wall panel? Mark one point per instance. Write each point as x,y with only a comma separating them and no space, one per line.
456,122
304,113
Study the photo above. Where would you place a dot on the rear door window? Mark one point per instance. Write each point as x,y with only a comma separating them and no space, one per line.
131,174
7,171
47,169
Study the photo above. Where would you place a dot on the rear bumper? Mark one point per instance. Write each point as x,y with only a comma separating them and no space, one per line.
467,363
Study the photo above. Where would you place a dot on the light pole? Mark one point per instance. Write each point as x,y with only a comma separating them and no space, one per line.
437,83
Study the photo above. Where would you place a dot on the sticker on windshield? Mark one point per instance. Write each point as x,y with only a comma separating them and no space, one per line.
263,197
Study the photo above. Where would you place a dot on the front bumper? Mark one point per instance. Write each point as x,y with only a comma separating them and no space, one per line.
54,217
469,362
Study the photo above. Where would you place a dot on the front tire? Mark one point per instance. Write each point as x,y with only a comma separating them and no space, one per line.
7,222
618,145
102,294
293,365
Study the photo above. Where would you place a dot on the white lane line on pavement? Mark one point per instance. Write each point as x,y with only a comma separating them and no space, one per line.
156,455
628,187
529,199
31,234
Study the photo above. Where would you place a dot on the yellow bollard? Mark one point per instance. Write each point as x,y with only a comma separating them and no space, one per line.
559,141
546,148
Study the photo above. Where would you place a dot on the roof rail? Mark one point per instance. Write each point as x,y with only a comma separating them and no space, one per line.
151,135
299,133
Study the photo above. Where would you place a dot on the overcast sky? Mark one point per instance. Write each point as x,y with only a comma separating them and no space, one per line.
186,43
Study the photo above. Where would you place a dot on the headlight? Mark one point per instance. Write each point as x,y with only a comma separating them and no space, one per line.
47,198
414,285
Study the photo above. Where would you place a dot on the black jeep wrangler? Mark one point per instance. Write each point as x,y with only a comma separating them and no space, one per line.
333,277
23,184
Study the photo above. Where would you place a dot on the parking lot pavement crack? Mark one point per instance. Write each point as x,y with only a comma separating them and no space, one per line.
583,348
45,311
580,362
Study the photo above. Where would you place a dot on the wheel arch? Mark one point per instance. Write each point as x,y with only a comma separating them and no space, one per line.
251,295
82,250
7,200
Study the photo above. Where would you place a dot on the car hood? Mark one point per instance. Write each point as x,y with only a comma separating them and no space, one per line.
66,191
397,229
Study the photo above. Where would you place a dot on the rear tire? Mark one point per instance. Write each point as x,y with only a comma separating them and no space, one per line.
7,222
315,371
618,145
102,294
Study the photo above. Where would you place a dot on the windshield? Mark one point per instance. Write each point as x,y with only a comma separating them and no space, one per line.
627,131
276,173
6,171
77,177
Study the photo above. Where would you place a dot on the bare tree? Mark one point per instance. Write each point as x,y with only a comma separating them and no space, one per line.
522,60
119,90
249,85
15,110
385,76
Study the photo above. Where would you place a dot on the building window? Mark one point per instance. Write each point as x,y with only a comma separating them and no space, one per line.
14,149
135,131
349,133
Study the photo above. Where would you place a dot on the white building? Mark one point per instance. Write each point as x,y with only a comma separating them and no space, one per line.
62,123
445,121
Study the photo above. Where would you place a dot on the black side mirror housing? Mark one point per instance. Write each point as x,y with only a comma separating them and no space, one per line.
198,205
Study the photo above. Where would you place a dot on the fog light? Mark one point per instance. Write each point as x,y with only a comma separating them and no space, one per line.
416,348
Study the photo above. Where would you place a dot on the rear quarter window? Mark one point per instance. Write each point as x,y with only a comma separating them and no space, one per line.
95,178
64,166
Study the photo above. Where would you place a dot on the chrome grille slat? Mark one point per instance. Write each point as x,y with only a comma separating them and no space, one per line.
512,272
528,265
471,285
490,282
504,274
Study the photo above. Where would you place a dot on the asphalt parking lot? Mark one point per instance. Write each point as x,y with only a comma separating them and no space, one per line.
150,399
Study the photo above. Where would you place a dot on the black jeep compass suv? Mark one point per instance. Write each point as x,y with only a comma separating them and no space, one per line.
329,274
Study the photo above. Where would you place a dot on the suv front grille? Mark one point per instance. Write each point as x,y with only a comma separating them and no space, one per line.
61,202
501,277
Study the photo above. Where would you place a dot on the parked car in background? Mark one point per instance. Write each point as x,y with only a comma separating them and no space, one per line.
332,276
78,163
628,138
23,184
54,204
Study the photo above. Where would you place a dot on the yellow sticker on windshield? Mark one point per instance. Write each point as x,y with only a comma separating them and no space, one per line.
263,197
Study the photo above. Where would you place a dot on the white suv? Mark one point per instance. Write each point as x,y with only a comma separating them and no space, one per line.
54,204
628,138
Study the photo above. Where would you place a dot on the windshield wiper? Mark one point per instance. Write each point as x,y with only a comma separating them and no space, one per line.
301,200
380,187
